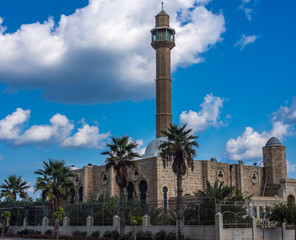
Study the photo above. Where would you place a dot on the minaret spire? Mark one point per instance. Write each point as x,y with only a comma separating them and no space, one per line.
163,40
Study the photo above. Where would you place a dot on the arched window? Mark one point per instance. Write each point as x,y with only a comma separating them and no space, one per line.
72,193
143,186
165,198
80,193
130,190
291,199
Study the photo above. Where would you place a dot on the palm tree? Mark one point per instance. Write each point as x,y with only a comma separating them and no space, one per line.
178,149
216,193
14,186
120,154
54,183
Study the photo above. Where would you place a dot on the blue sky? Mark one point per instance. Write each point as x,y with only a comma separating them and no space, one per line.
73,73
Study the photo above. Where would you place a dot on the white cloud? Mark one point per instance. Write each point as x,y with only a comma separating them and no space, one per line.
247,8
11,125
245,40
58,129
249,144
208,116
291,167
102,52
286,114
13,132
140,149
86,137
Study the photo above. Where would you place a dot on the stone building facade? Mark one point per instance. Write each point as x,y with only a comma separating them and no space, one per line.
149,182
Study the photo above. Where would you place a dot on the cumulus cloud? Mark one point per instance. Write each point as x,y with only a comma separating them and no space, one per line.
286,114
291,167
13,132
86,137
208,116
140,149
249,144
245,40
102,52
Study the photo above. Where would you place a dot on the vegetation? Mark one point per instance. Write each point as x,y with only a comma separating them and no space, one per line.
54,182
95,233
79,233
178,149
210,204
111,234
5,216
120,156
14,187
283,213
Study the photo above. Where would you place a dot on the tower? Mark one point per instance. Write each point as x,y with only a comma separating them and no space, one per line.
274,159
163,40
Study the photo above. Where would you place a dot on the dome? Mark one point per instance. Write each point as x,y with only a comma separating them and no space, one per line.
152,148
273,141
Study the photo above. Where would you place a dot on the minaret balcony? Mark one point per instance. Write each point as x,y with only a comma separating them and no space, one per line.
162,34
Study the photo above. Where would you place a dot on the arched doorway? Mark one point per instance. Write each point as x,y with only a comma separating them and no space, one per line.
80,194
72,193
143,187
130,190
291,199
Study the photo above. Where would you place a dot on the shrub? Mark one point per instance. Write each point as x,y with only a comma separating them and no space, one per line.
170,236
26,232
111,234
79,233
5,229
48,232
144,235
160,235
95,234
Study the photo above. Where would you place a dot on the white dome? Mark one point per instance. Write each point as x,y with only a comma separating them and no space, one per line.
152,149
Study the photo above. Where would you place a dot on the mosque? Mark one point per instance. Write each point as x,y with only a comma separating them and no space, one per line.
149,182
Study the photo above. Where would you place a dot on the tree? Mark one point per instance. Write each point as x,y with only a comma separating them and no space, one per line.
214,194
178,149
55,182
5,215
120,156
283,213
13,187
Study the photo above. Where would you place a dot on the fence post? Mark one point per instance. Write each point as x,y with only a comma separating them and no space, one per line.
66,223
116,222
218,226
44,224
146,222
254,227
283,230
89,224
25,222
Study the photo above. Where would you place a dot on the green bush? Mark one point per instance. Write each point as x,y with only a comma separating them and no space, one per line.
170,236
5,230
79,233
26,232
160,235
111,234
48,232
95,234
144,235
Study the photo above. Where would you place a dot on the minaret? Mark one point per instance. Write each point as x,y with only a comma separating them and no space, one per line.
163,40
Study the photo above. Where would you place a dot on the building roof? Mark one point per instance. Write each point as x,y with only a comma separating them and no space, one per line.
273,141
152,149
162,13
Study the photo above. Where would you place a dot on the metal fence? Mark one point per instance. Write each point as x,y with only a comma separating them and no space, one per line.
196,212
